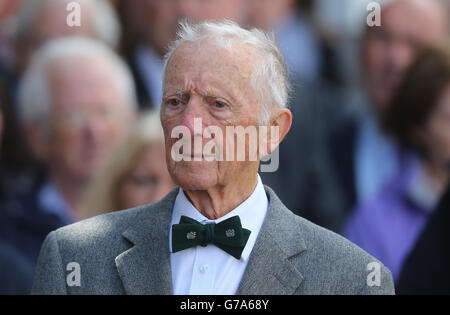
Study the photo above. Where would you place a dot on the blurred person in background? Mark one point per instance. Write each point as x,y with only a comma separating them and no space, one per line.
41,20
77,101
425,270
136,174
12,157
36,22
145,56
8,9
330,160
388,225
16,272
198,11
154,25
358,146
133,21
301,160
296,36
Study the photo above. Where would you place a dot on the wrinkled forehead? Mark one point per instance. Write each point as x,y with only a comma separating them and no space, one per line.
212,63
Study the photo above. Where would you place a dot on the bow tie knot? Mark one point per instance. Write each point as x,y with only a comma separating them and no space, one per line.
208,234
228,235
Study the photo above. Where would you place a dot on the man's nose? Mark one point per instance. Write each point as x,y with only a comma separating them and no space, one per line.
194,116
96,130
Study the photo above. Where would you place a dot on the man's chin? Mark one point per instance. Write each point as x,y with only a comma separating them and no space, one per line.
193,185
194,178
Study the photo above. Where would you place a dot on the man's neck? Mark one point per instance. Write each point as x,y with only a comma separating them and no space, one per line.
218,201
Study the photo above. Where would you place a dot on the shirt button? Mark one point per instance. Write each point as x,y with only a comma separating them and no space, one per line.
204,269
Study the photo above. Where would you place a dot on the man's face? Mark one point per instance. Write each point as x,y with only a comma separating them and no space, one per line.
88,118
390,48
208,82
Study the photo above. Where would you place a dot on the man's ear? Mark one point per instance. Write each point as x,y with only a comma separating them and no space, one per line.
278,127
37,141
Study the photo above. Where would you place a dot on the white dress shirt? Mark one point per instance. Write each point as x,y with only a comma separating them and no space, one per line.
210,270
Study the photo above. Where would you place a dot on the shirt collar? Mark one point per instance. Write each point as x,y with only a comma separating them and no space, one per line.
251,212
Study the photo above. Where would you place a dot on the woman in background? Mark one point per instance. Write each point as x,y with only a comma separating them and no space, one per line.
135,175
419,119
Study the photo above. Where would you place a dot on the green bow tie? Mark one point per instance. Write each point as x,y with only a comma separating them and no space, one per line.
228,235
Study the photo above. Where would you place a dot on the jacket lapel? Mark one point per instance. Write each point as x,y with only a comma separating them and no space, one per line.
145,268
270,270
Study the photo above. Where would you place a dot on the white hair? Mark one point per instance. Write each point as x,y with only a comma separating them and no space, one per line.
103,17
34,87
269,79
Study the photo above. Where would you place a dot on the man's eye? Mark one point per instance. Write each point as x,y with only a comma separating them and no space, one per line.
174,102
219,105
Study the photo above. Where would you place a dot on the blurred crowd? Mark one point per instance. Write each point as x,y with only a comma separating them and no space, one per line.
368,155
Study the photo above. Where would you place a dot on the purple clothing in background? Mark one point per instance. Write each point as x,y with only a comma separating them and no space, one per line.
387,226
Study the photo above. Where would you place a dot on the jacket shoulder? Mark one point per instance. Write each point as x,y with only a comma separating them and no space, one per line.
105,226
111,225
340,265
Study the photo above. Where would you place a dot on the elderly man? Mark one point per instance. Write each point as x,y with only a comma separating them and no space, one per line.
77,102
221,231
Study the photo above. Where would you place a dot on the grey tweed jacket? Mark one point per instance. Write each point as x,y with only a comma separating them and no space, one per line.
127,252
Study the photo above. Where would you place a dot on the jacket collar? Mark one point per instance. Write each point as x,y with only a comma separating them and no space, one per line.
145,267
